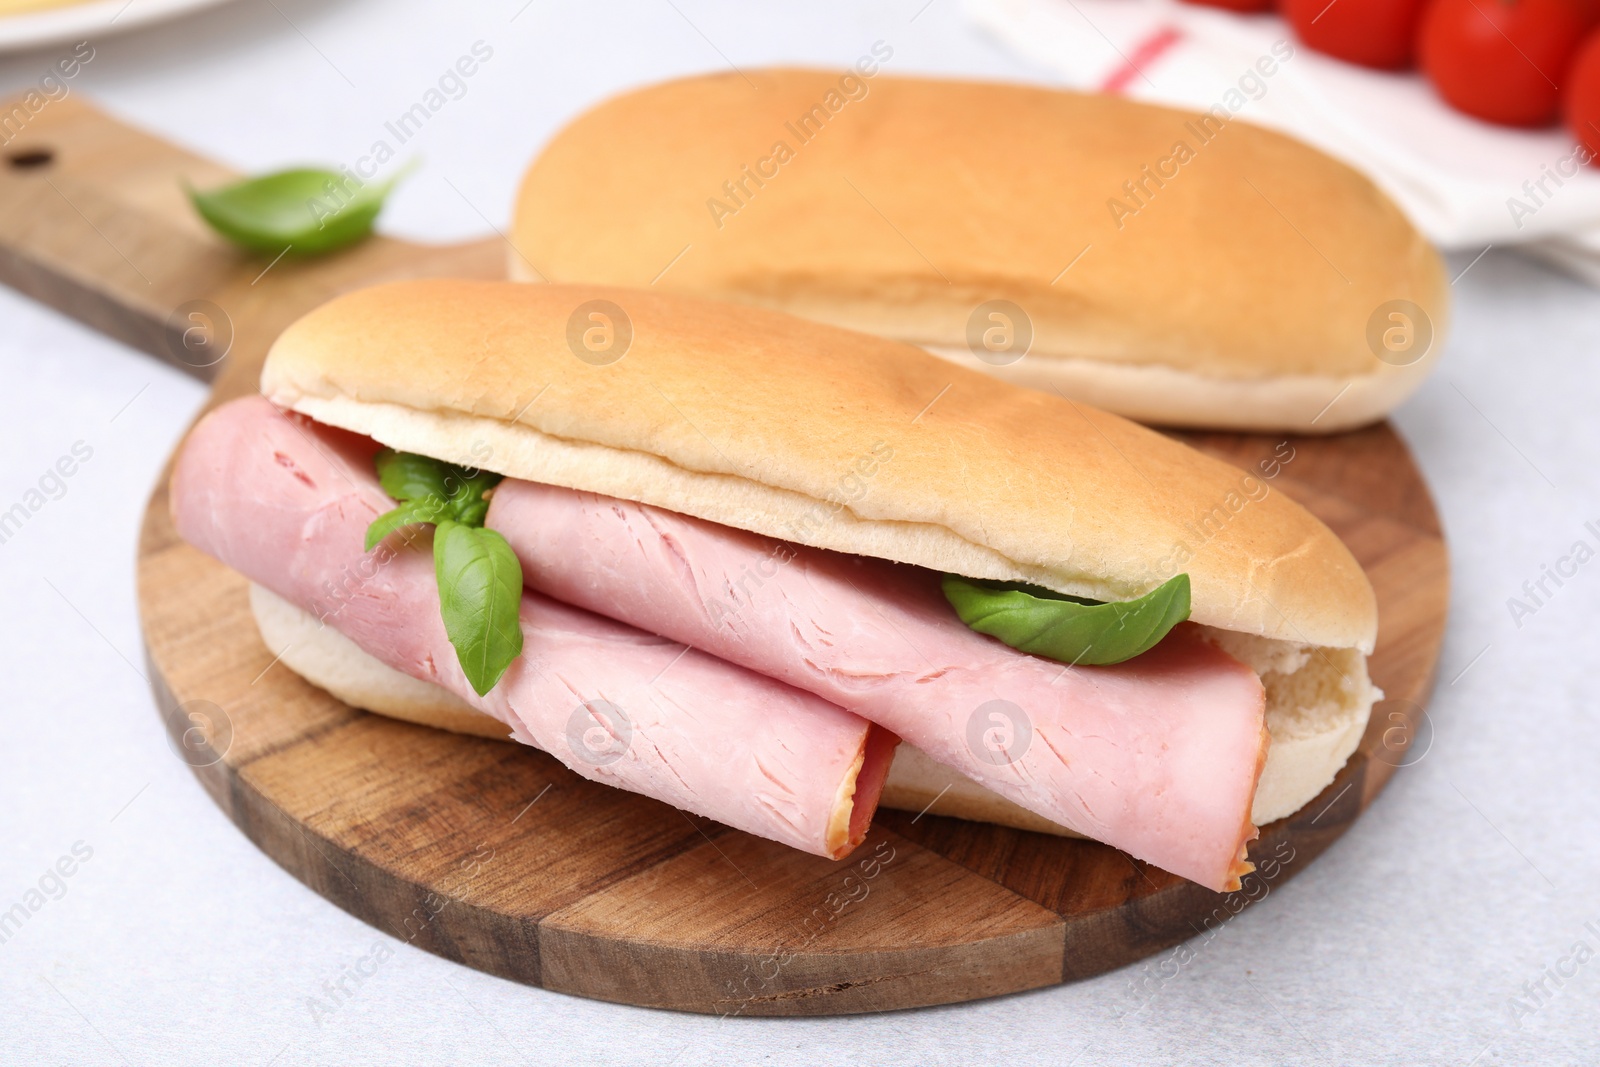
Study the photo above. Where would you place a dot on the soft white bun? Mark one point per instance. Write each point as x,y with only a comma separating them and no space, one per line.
1172,267
1316,713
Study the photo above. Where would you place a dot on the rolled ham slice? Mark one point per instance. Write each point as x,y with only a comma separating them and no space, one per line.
1158,756
287,503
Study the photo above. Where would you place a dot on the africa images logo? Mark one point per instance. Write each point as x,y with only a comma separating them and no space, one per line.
599,732
999,732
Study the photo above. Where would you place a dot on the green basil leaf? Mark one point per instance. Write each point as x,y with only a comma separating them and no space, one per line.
409,476
1066,628
409,513
480,592
480,580
466,493
306,210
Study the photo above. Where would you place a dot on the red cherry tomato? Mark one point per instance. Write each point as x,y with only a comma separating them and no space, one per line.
1501,60
1583,97
1373,33
1241,6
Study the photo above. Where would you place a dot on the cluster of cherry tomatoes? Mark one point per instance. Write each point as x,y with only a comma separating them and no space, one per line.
1513,62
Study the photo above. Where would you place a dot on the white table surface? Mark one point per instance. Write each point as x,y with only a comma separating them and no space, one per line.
178,942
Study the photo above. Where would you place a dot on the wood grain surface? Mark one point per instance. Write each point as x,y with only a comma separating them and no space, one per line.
494,854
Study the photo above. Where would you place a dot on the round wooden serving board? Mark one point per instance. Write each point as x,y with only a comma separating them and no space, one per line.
493,854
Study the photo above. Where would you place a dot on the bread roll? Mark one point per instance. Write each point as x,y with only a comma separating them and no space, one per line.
1182,269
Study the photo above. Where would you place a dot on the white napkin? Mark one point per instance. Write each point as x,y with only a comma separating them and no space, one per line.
1465,183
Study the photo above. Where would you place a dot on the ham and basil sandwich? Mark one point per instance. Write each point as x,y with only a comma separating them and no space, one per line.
1175,267
772,571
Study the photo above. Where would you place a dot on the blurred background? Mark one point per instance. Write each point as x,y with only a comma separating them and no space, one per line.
1414,940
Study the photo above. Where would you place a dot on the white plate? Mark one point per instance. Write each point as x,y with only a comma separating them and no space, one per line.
88,21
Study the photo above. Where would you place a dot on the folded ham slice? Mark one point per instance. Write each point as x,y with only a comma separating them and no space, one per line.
287,503
1158,756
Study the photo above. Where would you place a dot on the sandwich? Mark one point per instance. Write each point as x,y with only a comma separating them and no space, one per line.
1179,268
774,572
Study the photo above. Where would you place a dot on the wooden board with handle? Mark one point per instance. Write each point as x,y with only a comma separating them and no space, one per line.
494,854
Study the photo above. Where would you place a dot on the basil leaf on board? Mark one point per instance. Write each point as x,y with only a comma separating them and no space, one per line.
480,591
1066,628
304,209
410,513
